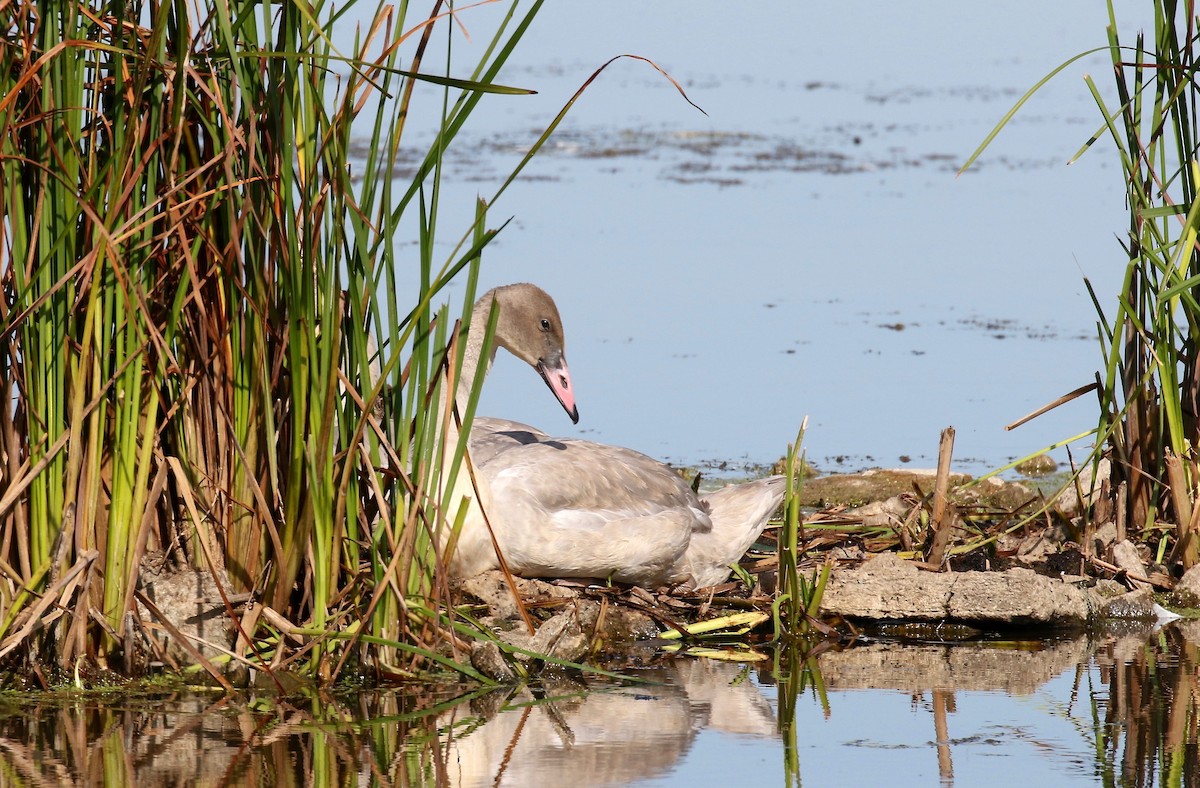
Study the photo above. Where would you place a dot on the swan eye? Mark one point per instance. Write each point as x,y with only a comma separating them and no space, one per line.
545,324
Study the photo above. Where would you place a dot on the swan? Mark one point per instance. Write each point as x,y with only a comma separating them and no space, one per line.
564,507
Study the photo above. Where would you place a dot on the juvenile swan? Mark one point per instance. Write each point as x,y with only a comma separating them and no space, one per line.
562,507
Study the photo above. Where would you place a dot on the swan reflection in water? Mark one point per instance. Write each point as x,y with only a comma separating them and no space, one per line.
1122,704
614,736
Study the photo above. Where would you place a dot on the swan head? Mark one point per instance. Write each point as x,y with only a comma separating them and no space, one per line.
530,328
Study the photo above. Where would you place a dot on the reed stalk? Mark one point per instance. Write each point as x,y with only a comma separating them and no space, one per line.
1152,381
798,599
208,357
1149,384
214,363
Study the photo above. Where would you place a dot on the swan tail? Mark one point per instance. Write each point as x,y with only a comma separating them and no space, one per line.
739,514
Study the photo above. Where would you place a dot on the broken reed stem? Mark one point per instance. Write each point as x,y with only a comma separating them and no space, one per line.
1122,504
1187,546
1065,398
944,514
1177,480
1158,580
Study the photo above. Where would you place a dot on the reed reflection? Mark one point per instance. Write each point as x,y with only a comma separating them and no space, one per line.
1131,703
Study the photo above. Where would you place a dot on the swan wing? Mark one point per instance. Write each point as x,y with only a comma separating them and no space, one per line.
572,508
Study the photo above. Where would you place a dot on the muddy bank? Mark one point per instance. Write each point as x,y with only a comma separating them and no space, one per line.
1022,555
886,587
1005,570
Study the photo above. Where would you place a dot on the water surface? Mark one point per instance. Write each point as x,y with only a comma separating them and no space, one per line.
805,248
1112,709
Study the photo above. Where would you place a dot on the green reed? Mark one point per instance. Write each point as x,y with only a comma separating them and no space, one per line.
1151,381
221,343
207,351
798,600
1149,384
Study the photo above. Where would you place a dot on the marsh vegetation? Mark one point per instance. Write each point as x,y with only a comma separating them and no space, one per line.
219,380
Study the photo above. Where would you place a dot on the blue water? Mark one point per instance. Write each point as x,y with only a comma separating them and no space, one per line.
722,276
1088,710
806,249
887,736
1068,712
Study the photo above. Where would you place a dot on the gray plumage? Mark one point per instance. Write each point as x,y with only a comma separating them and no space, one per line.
563,507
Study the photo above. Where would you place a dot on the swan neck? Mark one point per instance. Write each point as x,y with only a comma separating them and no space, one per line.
473,351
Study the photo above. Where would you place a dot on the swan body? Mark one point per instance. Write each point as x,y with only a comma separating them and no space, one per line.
564,507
